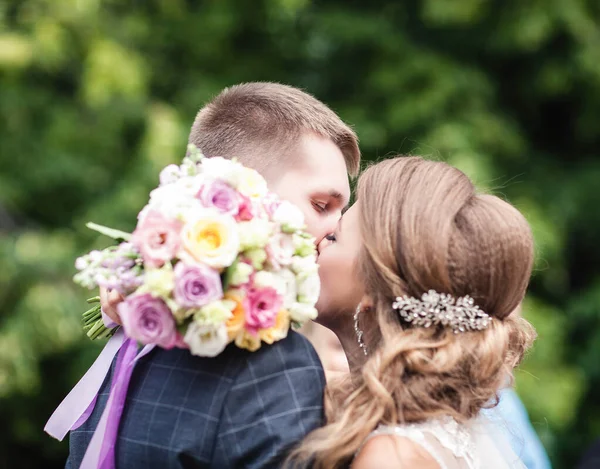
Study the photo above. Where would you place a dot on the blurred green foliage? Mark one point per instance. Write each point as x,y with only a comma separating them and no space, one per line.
96,96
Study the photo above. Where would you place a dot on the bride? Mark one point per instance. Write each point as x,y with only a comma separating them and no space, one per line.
420,281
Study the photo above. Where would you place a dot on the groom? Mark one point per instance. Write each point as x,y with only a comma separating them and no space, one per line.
241,409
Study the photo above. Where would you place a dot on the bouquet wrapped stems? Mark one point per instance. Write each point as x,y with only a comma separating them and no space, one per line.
93,325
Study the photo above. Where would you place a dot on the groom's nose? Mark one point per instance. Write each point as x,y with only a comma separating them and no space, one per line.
323,226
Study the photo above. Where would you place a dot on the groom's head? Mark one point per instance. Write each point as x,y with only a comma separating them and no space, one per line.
296,142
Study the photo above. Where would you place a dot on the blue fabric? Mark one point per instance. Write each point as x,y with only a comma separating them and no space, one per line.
512,416
239,409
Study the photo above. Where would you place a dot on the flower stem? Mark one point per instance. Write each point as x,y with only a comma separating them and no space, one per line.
93,325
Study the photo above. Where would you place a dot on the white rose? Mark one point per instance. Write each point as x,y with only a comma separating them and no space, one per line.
309,287
300,312
280,250
206,340
306,265
223,169
254,234
289,217
266,279
287,283
189,185
172,200
169,174
252,184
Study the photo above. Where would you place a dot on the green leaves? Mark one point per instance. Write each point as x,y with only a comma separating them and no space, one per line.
117,235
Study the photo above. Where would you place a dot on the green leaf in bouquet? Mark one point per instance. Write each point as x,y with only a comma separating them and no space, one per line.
182,327
110,232
194,154
228,274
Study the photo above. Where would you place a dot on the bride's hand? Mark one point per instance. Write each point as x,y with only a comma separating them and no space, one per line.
109,299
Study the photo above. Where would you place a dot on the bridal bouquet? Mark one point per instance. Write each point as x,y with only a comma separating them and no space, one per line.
215,258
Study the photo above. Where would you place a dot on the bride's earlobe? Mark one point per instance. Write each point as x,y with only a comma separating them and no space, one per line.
366,303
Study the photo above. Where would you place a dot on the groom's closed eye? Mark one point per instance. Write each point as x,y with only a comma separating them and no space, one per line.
320,207
328,200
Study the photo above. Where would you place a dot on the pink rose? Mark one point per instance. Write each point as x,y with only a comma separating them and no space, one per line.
280,250
148,320
179,342
261,306
157,238
245,209
271,202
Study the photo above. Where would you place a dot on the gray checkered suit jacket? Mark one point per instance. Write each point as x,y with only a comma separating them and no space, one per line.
237,410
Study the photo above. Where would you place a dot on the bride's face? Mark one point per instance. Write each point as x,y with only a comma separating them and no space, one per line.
341,291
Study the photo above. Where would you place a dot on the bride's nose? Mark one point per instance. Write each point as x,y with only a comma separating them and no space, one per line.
323,244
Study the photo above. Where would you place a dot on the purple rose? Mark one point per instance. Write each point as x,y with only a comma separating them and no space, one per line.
221,196
148,320
196,285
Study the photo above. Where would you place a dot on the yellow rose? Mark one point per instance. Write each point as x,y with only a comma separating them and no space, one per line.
252,184
236,322
247,341
279,330
211,239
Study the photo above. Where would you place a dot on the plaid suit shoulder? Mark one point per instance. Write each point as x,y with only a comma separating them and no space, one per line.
275,400
239,409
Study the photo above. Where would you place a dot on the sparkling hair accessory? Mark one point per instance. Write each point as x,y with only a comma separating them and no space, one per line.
460,314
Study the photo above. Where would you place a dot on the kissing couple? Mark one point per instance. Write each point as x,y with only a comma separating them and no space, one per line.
421,281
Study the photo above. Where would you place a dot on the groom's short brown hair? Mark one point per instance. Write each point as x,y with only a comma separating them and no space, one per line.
260,123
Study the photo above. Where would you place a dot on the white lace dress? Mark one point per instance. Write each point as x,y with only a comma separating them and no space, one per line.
476,445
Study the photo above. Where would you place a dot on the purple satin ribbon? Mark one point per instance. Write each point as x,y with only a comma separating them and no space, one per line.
79,403
76,408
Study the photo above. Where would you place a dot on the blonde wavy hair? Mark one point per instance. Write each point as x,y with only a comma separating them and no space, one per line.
425,227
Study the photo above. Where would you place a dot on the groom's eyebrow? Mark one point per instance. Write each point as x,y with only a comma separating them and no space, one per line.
339,197
336,195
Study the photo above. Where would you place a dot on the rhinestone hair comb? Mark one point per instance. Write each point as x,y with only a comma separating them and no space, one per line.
460,314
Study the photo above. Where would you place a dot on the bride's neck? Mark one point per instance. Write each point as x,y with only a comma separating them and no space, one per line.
347,337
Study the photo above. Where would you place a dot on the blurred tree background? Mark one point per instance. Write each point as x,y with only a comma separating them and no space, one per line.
96,96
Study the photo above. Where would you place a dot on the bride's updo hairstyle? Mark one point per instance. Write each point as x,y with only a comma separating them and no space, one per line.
424,227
